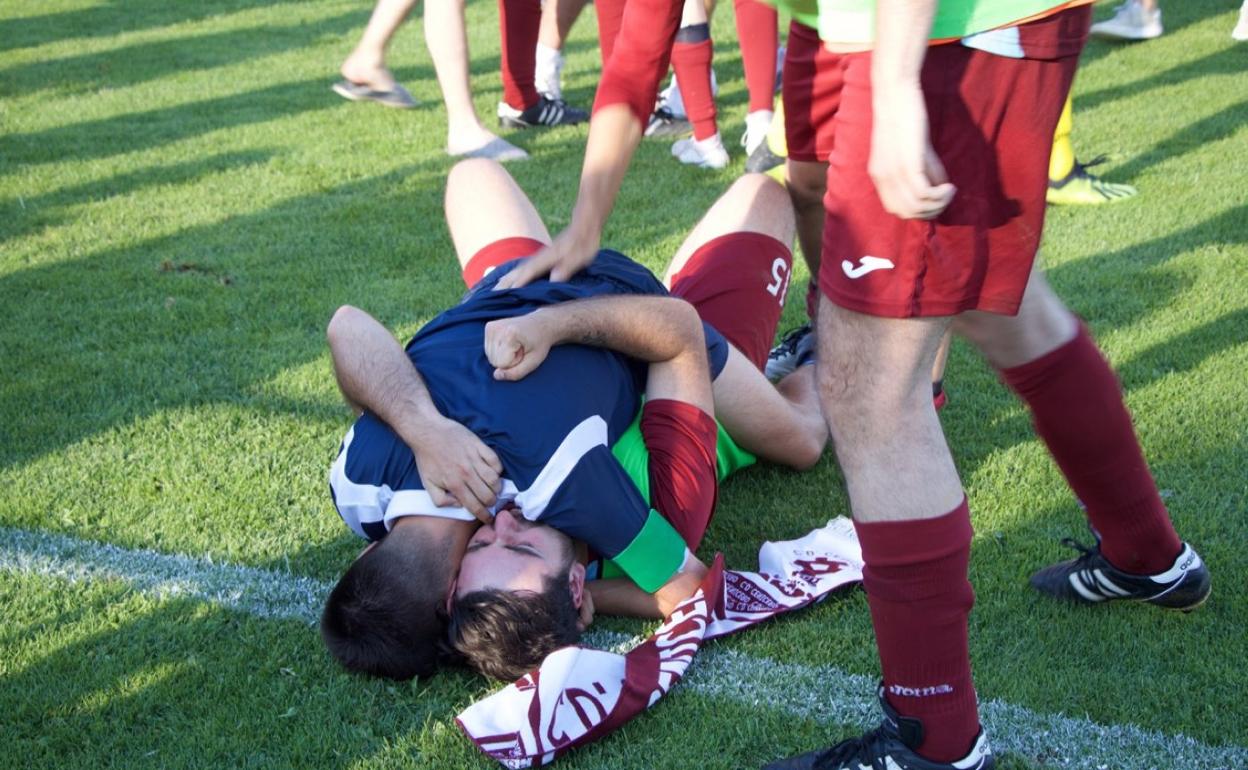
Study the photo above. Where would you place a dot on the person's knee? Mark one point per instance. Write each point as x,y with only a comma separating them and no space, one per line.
765,204
807,183
342,318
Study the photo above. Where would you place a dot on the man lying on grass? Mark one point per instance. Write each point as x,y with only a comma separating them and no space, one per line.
442,442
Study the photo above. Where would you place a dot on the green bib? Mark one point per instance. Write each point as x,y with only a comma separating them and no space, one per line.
853,21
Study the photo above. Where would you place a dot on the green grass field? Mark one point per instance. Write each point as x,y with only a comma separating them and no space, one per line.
183,204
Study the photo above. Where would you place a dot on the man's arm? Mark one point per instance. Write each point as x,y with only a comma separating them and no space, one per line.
375,374
622,106
621,596
910,180
664,331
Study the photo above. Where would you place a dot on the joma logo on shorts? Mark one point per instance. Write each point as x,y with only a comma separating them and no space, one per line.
866,265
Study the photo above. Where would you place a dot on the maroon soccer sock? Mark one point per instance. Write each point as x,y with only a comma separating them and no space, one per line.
692,63
1077,408
757,32
519,22
920,599
610,17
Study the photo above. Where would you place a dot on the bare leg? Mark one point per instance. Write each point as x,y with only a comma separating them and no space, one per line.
558,16
874,377
448,45
780,423
754,204
807,181
367,63
484,205
1043,324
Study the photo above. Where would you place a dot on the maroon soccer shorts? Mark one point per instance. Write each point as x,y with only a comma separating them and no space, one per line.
991,120
737,282
811,90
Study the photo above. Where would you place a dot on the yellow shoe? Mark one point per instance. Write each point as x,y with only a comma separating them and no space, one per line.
1079,188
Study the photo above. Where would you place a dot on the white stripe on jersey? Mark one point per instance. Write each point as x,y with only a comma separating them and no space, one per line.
360,504
592,432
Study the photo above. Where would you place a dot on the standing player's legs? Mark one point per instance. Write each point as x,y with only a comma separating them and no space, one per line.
448,46
366,64
811,89
758,35
519,23
734,268
692,53
490,218
558,16
1048,358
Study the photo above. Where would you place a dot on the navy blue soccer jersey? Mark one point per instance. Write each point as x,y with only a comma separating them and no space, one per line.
552,430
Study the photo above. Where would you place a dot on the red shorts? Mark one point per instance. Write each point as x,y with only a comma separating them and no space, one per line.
737,282
991,121
811,90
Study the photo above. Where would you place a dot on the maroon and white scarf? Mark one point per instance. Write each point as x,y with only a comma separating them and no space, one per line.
578,694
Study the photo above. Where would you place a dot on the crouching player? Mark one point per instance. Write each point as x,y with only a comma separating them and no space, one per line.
442,440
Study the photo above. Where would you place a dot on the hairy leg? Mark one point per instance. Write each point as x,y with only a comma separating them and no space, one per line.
874,379
485,205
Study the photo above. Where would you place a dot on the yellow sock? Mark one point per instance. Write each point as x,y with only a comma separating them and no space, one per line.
775,135
1063,158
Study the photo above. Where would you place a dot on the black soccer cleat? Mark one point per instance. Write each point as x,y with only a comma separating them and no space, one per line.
1091,579
546,112
888,747
664,123
796,348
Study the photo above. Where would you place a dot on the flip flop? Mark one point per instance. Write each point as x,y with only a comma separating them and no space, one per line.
496,149
360,92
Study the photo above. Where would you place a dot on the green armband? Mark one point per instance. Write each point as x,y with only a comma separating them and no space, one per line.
654,556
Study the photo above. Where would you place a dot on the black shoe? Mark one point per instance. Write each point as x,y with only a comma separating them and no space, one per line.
664,123
796,348
547,112
1091,579
888,747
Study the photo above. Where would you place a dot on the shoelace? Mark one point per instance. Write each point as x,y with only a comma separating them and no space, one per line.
1088,552
867,748
789,342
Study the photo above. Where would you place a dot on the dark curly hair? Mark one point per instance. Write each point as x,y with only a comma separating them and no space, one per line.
504,634
383,618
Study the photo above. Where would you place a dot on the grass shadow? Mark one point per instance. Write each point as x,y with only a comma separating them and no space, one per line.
142,62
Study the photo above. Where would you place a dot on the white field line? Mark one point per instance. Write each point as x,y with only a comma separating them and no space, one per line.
821,693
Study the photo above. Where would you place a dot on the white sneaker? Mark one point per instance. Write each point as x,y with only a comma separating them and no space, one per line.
757,124
1130,22
704,153
548,74
1241,29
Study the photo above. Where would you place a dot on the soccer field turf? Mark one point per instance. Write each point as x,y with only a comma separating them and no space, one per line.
185,203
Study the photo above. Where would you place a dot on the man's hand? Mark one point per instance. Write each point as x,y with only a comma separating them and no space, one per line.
517,346
460,470
567,256
909,178
586,614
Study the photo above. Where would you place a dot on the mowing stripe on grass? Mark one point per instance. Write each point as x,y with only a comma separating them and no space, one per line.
801,690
